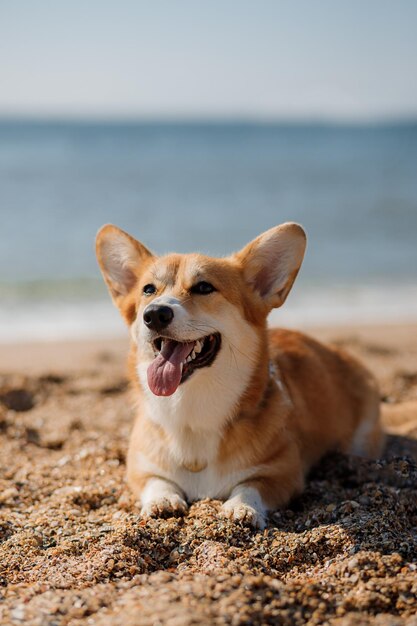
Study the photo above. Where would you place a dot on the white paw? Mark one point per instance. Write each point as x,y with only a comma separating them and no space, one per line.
164,506
241,512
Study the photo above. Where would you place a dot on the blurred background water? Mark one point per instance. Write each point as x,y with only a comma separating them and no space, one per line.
209,187
311,116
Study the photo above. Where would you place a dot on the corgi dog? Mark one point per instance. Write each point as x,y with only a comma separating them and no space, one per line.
227,408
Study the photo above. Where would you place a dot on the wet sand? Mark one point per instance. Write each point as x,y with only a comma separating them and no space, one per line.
73,549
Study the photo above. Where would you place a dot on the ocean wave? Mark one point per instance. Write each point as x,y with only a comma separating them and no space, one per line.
49,319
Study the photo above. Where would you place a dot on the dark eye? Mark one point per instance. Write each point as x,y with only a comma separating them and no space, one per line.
203,288
148,290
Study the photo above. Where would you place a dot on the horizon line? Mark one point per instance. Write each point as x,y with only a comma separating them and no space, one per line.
197,119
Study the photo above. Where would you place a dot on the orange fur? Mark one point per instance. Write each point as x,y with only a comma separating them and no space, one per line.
316,399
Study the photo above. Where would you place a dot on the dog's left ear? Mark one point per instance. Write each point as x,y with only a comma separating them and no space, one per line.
121,259
271,262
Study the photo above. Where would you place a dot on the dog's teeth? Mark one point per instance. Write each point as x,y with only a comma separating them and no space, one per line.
198,346
188,359
192,355
162,345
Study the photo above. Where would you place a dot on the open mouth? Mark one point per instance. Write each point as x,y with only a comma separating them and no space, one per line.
175,361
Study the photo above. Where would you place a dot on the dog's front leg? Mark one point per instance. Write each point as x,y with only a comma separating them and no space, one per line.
161,497
245,504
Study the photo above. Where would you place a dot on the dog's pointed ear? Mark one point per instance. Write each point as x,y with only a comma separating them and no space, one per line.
121,259
271,262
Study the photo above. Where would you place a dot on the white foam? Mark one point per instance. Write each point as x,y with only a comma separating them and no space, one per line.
46,320
365,304
49,321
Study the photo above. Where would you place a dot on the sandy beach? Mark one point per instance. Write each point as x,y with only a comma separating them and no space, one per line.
74,551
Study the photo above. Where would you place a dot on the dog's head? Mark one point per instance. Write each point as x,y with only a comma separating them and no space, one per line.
191,314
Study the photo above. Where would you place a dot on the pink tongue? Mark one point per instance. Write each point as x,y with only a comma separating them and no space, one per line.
164,373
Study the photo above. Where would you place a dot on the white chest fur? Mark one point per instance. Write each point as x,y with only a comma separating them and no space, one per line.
195,416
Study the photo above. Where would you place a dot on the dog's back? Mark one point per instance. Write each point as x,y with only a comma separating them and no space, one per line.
335,398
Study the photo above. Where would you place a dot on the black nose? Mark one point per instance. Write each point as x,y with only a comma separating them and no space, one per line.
157,317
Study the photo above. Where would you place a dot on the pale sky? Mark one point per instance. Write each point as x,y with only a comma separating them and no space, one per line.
341,59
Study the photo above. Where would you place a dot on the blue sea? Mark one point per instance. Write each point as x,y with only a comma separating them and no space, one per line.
211,187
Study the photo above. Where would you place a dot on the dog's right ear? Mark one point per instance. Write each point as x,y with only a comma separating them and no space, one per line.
271,262
121,259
